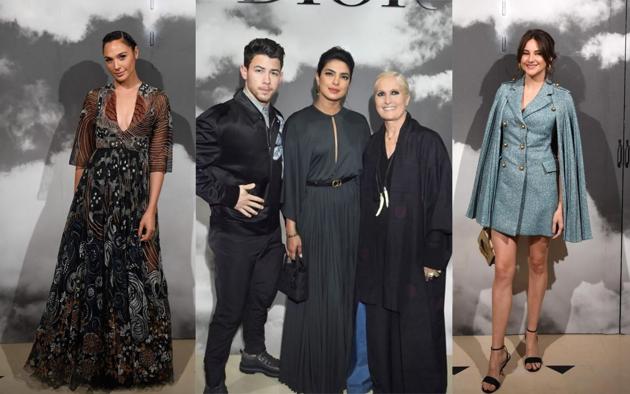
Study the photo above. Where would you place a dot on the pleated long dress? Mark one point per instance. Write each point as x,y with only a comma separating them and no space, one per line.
317,335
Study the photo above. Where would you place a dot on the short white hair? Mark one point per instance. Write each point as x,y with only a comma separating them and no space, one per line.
402,81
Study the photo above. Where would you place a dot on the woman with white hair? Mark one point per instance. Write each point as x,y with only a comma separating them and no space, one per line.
404,246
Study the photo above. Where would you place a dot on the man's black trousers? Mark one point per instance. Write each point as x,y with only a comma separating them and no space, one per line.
246,276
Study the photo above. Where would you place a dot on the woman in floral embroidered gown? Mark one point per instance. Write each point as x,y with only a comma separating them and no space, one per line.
107,320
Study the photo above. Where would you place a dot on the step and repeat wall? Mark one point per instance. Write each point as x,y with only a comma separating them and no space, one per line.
50,57
586,279
413,37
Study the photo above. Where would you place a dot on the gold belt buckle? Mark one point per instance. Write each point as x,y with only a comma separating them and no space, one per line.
336,183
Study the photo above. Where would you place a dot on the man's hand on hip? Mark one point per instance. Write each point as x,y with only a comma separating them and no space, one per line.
248,204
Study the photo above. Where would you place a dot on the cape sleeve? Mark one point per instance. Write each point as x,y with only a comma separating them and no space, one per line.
484,177
84,139
438,214
296,161
577,225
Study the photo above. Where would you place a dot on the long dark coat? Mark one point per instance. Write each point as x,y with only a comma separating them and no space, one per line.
418,234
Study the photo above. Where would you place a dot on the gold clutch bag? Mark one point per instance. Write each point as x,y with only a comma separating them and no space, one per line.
485,245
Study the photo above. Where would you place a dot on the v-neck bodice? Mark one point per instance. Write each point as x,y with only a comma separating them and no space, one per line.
524,108
150,129
112,112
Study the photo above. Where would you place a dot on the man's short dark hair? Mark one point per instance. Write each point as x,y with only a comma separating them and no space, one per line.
335,53
263,46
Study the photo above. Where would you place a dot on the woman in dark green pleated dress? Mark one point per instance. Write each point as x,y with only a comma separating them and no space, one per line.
323,151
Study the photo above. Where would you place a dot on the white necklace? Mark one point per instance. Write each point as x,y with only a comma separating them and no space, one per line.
381,185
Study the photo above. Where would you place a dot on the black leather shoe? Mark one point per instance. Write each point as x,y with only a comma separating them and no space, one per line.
220,389
262,362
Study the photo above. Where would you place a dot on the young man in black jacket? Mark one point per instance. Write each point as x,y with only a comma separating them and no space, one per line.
239,173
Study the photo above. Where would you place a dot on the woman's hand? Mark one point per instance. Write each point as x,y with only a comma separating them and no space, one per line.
146,230
557,224
430,273
294,246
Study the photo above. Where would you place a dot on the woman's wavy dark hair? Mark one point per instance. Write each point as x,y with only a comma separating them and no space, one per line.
546,45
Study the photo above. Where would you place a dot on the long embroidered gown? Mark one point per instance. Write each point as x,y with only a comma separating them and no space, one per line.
107,319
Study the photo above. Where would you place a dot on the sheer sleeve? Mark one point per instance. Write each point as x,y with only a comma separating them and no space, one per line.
84,139
161,145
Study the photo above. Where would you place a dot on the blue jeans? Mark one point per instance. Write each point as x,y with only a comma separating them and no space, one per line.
359,381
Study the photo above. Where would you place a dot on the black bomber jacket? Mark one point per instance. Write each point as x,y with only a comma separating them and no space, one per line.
235,147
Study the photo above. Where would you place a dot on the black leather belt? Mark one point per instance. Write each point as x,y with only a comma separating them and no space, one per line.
331,183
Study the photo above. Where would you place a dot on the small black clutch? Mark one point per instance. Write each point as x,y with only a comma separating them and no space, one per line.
293,280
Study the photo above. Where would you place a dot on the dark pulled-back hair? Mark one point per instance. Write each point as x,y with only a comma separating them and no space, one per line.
120,35
335,53
546,45
262,46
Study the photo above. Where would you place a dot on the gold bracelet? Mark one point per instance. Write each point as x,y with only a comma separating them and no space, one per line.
292,235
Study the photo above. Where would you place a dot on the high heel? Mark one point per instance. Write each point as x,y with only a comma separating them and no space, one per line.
494,381
534,359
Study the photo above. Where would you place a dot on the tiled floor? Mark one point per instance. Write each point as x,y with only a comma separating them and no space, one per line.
238,382
16,381
259,384
601,364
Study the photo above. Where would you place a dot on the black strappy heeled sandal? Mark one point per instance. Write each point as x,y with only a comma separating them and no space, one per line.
494,381
535,359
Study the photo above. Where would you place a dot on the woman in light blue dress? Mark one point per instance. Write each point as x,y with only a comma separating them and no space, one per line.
530,182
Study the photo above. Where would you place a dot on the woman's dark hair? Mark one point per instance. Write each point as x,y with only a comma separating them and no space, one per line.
545,42
120,35
336,53
262,46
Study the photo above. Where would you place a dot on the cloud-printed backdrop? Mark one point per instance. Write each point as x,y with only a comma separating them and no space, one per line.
412,40
584,289
563,14
71,20
50,56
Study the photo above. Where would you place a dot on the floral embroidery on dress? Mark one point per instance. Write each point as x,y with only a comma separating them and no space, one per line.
107,319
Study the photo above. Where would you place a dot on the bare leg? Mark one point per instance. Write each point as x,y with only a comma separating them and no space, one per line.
538,277
505,268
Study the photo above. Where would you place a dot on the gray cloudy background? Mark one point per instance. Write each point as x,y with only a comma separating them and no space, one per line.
413,40
50,56
586,279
